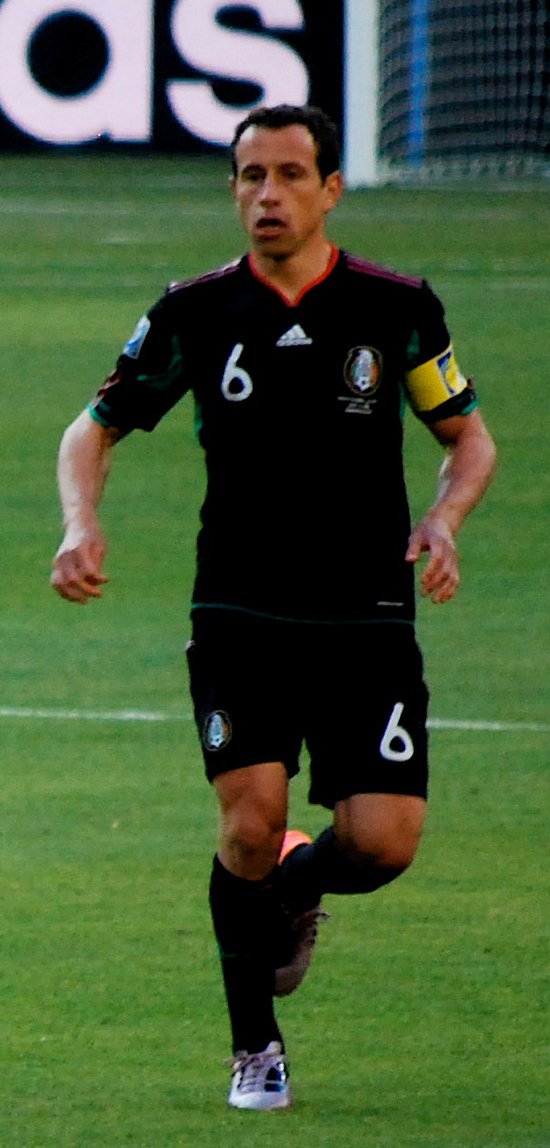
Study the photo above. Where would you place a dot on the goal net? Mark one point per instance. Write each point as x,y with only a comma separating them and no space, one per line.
460,86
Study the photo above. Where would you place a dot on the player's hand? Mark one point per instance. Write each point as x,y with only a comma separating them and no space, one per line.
76,573
440,578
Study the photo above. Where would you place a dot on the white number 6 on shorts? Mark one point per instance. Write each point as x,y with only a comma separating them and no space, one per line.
396,733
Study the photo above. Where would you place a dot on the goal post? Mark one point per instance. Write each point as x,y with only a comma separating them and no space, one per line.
436,88
361,100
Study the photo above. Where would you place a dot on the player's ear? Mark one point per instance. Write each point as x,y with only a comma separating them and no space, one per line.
334,185
232,184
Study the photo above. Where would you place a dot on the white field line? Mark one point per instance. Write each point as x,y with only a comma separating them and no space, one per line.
53,204
28,713
98,210
490,726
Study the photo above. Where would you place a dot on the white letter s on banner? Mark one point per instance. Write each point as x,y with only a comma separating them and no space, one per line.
237,55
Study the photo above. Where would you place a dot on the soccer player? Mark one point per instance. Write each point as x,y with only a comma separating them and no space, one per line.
299,357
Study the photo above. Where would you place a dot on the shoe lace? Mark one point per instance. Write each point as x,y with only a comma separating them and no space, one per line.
253,1067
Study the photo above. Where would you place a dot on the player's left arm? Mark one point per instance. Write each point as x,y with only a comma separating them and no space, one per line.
466,472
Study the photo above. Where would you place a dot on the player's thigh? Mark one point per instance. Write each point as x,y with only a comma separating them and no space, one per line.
244,709
385,827
368,732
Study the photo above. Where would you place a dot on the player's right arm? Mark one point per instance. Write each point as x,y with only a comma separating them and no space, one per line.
146,383
83,465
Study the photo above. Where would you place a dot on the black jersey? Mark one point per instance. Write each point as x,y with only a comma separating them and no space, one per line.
299,410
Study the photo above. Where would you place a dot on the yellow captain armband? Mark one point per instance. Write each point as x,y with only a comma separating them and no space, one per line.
435,382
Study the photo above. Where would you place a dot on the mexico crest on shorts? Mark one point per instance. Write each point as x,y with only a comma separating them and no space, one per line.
363,374
216,731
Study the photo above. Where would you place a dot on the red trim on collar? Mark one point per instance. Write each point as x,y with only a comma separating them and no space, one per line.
335,253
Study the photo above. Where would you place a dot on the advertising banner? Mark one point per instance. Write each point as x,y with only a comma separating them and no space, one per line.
175,75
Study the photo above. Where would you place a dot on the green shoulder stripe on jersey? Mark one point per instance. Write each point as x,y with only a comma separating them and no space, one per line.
169,375
453,406
402,402
96,416
197,419
413,348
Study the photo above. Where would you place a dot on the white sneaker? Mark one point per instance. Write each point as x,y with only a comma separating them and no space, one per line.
260,1079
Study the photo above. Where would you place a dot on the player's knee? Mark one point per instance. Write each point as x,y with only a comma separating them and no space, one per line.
379,834
253,840
380,861
253,805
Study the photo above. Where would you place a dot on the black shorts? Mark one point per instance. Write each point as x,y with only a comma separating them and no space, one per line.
353,694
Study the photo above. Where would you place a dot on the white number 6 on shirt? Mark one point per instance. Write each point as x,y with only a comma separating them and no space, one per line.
236,382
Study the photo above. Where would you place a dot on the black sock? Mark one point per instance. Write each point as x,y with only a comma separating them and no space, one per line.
311,870
245,915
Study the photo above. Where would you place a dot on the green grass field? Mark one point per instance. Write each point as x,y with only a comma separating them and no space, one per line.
422,1023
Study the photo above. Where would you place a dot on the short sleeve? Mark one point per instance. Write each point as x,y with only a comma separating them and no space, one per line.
148,379
434,384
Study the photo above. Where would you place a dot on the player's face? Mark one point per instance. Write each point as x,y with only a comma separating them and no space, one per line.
281,197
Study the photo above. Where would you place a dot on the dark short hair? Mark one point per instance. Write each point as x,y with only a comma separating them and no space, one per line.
318,124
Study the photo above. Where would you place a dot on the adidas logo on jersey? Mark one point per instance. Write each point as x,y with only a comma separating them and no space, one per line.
296,337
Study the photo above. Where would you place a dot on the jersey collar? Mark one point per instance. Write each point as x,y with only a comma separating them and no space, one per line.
334,256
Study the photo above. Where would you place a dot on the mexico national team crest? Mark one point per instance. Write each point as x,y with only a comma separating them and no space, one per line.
216,731
363,374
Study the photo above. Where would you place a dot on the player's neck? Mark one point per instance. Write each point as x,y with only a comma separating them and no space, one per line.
292,274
